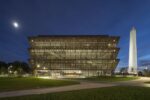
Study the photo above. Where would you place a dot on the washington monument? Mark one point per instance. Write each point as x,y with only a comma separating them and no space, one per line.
132,69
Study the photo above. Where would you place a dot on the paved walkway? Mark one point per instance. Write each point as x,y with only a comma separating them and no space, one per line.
138,82
83,85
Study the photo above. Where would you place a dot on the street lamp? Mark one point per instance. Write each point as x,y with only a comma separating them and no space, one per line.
38,65
9,69
44,68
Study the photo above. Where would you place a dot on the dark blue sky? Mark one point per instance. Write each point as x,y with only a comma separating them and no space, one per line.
62,17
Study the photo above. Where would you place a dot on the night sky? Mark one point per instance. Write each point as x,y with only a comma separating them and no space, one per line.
73,17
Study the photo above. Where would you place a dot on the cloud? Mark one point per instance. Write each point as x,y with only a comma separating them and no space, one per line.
145,57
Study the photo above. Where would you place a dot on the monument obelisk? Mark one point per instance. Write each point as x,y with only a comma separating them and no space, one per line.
132,69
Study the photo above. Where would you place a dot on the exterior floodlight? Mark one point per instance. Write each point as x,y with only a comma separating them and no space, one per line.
38,66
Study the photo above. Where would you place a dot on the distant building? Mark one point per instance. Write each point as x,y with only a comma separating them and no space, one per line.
73,56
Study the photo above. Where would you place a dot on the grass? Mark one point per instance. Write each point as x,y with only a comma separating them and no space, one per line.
10,84
110,79
107,93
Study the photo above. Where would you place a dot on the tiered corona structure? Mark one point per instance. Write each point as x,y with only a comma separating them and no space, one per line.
132,52
73,56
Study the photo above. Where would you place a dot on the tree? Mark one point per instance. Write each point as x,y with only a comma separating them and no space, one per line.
123,70
19,68
26,67
3,67
146,72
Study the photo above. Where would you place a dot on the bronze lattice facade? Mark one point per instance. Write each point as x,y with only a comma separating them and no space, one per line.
73,56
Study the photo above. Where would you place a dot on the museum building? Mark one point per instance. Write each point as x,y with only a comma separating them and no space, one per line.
62,56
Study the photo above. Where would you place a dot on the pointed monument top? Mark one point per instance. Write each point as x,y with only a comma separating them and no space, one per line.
133,28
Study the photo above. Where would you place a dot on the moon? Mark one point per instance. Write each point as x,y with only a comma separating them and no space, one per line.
15,24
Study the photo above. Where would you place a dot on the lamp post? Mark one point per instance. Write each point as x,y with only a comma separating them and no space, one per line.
38,66
9,69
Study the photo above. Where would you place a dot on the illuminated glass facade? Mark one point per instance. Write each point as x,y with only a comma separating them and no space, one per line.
73,56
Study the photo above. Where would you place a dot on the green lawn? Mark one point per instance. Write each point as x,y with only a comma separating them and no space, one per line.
9,84
109,93
110,79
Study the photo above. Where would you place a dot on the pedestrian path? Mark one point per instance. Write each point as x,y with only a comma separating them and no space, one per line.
82,85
